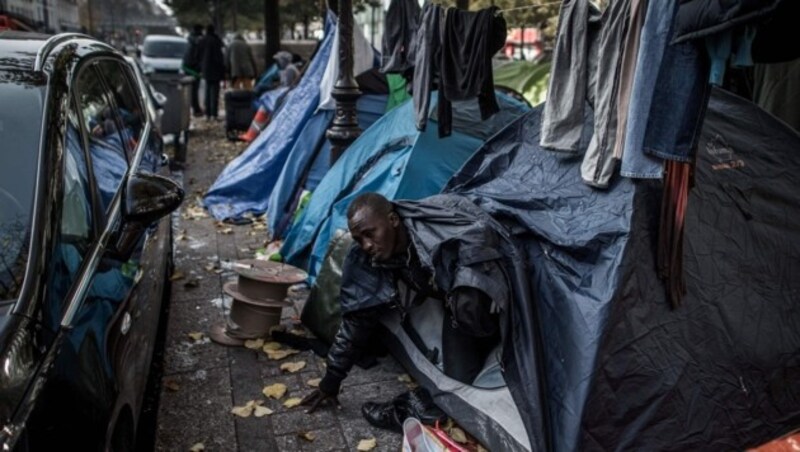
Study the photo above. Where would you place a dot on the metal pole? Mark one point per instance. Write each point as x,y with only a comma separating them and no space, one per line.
344,129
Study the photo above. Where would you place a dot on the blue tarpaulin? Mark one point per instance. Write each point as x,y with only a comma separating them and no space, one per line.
244,186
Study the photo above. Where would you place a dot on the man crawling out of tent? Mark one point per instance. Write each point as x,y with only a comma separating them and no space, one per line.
443,247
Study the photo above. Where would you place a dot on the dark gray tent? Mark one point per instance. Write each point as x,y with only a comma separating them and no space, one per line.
622,369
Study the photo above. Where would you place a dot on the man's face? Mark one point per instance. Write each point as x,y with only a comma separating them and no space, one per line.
375,233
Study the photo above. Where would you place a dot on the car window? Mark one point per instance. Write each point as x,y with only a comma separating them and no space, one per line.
20,129
164,49
126,103
107,151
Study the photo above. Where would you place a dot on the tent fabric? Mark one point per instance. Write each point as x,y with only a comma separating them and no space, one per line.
623,371
525,77
574,238
723,371
388,158
270,100
245,184
364,59
309,157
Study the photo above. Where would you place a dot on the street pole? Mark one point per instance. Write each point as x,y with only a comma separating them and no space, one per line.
344,128
272,31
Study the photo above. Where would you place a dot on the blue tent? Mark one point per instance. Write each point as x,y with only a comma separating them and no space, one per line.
395,159
297,128
309,160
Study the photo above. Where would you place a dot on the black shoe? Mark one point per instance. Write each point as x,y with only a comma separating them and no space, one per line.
418,403
383,415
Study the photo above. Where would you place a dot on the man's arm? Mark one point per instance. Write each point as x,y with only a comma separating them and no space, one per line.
354,334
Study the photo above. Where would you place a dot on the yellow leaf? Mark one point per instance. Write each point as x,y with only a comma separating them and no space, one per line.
171,385
280,354
308,436
367,444
225,231
272,346
458,435
293,366
196,336
275,391
254,344
261,411
244,411
314,382
197,447
292,402
405,378
177,275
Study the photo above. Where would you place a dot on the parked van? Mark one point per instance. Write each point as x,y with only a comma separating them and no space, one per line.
163,53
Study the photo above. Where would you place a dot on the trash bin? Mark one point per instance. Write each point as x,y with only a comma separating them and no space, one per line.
177,112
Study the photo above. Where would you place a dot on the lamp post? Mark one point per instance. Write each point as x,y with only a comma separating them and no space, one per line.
344,128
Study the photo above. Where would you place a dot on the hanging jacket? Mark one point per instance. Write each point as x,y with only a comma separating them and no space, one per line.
701,18
400,31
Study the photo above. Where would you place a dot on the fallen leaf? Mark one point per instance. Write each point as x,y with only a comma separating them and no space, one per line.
314,382
261,411
276,391
405,378
245,410
308,436
226,231
293,366
192,283
196,336
211,267
172,385
177,275
254,344
272,346
458,435
292,402
367,444
280,354
197,447
259,226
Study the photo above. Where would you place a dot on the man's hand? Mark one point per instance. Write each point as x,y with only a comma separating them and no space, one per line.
319,399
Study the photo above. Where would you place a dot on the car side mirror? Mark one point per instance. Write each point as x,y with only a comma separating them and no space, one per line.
149,197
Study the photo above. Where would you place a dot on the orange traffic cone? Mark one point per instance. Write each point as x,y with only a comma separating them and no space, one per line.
260,121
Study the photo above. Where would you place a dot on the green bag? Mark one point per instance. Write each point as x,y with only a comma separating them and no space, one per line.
321,312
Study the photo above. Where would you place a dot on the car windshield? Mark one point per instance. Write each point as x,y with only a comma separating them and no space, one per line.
164,49
20,129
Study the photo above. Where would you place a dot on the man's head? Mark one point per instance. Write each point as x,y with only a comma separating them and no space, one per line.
376,227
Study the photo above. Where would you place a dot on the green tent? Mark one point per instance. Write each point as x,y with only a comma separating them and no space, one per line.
525,77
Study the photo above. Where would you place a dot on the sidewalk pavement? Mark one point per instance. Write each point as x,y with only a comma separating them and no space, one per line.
202,381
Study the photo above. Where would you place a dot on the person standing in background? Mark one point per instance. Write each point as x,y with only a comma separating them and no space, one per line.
213,68
240,63
192,62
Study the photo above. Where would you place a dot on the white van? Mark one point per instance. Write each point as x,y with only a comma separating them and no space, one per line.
163,53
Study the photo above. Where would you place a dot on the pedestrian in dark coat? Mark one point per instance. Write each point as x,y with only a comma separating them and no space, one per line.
192,66
240,63
213,66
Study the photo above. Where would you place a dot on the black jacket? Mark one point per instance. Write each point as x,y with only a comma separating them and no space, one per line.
192,59
213,60
701,18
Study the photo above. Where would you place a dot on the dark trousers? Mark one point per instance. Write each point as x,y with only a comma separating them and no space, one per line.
196,96
212,98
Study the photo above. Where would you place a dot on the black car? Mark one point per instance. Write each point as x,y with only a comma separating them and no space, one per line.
84,243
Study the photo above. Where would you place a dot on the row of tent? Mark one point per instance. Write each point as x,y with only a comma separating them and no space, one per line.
613,366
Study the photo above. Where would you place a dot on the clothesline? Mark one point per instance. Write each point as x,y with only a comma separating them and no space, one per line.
528,7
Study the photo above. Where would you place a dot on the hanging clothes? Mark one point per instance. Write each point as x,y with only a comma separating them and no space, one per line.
599,163
400,30
457,46
567,91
